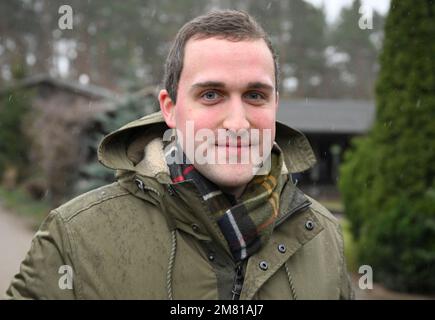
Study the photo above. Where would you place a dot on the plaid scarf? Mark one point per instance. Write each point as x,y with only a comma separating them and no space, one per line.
248,223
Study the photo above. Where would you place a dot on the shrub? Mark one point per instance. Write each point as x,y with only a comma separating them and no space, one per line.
14,106
387,179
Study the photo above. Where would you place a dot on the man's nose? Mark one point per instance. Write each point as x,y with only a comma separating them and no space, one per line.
236,116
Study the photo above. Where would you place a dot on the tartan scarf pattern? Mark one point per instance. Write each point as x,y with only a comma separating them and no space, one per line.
248,223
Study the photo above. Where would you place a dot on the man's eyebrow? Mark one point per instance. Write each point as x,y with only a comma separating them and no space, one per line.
260,85
217,84
208,84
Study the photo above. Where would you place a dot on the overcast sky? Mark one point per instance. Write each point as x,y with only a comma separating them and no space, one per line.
333,7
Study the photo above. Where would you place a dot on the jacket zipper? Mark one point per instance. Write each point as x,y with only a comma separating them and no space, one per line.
238,282
238,277
144,187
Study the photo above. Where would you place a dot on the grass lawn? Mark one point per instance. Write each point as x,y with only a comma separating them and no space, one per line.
350,248
19,201
336,206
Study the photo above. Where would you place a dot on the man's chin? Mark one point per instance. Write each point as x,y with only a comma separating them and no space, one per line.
227,175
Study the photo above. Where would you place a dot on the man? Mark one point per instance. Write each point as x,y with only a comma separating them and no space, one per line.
174,226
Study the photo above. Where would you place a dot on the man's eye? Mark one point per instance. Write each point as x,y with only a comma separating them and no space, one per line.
254,96
210,95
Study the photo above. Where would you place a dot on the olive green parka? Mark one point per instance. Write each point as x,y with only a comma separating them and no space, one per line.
145,238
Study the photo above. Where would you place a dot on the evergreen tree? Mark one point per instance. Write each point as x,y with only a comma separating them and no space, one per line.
358,73
388,180
14,108
94,174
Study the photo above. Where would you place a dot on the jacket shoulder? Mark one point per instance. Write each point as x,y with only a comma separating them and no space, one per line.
320,209
90,199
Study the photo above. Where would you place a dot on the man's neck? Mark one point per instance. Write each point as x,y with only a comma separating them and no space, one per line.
235,191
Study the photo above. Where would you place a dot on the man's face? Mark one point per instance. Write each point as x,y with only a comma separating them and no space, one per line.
225,85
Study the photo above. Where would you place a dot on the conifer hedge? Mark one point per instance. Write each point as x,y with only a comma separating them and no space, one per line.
387,178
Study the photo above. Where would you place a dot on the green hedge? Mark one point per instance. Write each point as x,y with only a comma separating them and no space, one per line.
14,144
387,179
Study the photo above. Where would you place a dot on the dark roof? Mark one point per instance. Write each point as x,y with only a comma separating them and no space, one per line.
327,116
91,91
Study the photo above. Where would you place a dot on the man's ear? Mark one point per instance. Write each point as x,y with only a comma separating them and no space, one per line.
168,108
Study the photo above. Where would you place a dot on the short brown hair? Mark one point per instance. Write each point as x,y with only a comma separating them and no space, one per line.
226,24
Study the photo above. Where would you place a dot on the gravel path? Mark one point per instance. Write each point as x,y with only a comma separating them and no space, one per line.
15,239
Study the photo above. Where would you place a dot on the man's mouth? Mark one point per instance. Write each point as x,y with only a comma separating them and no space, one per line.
233,145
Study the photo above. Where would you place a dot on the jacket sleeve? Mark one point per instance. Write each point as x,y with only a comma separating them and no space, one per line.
346,288
47,270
